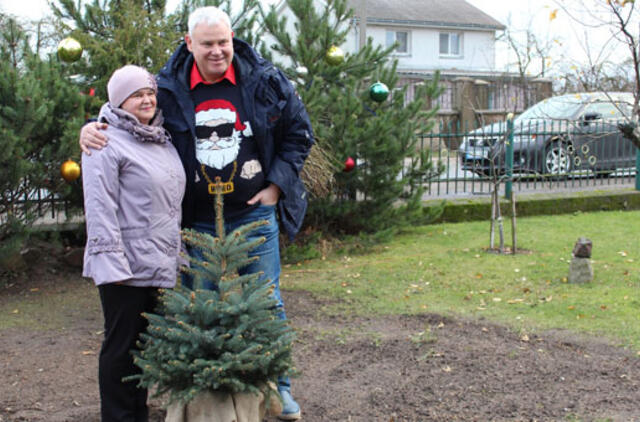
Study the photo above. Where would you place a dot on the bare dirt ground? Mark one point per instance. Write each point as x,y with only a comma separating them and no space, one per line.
384,368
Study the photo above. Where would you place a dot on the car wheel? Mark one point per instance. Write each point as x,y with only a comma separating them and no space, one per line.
557,159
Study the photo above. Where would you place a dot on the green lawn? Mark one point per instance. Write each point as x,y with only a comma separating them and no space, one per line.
446,269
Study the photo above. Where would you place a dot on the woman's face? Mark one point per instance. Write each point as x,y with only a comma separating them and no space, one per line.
141,104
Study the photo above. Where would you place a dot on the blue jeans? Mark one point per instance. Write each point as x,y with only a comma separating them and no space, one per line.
268,253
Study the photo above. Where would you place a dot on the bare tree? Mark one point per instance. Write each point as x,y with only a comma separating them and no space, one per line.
622,21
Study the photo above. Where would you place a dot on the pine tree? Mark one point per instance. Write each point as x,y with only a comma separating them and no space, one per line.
380,137
41,112
117,32
227,340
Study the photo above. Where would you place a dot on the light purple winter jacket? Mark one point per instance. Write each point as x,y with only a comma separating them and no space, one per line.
133,191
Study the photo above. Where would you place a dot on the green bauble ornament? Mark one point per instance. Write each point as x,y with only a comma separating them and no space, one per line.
334,56
378,92
69,50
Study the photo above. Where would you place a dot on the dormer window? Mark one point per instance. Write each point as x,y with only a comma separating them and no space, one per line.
402,38
451,44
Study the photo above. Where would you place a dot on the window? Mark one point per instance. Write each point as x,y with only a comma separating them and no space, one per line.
450,44
607,110
402,38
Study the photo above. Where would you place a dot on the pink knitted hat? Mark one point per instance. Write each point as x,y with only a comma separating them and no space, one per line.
127,80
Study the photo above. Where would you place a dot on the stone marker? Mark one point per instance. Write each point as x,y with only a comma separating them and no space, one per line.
580,270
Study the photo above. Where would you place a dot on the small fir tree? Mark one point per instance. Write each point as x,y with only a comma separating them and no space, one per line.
380,137
227,340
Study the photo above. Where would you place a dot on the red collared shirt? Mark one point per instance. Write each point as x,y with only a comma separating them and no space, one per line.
196,77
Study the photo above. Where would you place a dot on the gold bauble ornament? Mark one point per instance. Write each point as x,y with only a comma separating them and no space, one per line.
334,56
70,170
69,50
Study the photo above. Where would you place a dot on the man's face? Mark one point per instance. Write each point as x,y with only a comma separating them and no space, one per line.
212,49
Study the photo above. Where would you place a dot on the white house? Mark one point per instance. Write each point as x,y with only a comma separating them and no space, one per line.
451,36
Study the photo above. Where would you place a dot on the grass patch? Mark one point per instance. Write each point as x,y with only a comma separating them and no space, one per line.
446,269
40,308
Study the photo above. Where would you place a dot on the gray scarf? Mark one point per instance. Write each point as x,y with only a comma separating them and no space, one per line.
121,119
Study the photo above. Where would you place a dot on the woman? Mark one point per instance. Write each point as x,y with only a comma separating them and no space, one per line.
133,190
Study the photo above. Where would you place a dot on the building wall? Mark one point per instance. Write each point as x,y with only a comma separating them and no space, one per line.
478,49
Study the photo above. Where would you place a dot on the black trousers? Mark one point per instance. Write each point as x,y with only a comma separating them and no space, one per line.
122,307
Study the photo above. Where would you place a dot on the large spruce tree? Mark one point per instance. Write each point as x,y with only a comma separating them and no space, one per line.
380,137
41,112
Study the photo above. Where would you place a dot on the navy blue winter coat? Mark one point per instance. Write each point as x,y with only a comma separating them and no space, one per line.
280,124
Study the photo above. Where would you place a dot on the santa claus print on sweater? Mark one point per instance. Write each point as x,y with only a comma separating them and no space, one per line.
219,133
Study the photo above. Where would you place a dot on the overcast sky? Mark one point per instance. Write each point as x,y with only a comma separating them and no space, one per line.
519,14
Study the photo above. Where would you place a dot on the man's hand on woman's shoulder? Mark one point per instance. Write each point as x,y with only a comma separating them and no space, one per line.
91,137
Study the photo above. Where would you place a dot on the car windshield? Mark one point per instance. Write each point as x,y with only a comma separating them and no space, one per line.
565,107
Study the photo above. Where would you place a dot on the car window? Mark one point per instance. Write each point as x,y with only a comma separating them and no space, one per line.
561,108
608,110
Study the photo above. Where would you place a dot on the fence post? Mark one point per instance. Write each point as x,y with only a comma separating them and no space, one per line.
637,168
509,157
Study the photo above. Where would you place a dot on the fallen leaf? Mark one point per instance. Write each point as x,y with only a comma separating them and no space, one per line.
447,368
553,14
15,311
88,352
35,289
571,307
603,307
497,299
441,325
484,329
524,338
512,301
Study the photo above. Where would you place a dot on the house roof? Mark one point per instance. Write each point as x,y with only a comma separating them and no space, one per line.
431,13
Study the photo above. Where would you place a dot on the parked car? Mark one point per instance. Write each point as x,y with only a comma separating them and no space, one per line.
557,136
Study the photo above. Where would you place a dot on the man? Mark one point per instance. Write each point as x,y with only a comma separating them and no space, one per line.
238,126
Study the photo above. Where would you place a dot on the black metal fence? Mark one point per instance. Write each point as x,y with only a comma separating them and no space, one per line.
542,157
547,156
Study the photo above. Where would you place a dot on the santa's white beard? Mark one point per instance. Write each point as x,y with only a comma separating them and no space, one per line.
217,158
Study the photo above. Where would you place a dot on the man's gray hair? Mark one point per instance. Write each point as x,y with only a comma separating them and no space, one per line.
210,15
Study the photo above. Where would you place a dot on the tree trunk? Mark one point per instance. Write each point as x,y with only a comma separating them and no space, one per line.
493,219
498,214
514,237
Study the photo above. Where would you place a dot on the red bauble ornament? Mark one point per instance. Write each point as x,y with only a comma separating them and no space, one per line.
92,92
349,164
